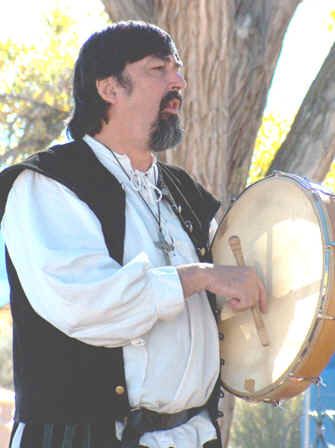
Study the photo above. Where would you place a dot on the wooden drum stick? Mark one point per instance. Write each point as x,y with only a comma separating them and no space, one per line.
235,245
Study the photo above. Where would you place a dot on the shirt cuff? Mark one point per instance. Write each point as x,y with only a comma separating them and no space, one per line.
167,291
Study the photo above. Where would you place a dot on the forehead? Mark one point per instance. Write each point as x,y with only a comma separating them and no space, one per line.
172,59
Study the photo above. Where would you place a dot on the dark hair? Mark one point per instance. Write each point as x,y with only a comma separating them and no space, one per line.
104,54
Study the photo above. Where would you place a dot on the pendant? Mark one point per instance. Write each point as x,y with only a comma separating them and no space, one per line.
164,246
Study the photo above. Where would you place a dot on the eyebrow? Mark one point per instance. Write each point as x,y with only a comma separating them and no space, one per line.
177,63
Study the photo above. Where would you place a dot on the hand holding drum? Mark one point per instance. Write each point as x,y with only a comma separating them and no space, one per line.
235,245
241,286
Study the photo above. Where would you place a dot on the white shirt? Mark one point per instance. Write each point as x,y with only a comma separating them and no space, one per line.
170,345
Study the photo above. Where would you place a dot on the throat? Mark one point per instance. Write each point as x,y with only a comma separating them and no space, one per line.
140,156
141,163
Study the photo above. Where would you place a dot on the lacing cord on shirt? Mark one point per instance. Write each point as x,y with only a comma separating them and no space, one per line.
141,183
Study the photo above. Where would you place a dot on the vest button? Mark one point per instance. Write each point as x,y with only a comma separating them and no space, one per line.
189,226
119,390
202,251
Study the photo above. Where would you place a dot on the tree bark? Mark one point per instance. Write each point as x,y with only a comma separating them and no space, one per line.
130,9
309,147
230,49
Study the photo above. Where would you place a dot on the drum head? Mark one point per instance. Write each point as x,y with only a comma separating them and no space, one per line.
279,229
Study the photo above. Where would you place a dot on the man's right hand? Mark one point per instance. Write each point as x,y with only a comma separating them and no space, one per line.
240,285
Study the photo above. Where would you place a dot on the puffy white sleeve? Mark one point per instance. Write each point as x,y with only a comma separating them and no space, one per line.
57,246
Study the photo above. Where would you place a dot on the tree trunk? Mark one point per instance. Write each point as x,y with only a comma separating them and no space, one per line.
130,9
229,49
309,147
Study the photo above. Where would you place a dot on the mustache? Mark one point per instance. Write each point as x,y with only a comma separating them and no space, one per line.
171,95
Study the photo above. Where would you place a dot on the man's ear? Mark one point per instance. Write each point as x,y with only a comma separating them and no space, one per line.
107,89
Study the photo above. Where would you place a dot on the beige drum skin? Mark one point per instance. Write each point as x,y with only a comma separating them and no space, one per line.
286,228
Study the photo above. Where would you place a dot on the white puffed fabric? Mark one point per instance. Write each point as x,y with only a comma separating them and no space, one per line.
170,345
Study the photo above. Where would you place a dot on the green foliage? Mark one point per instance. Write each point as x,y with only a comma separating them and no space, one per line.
271,134
263,426
35,86
329,181
330,23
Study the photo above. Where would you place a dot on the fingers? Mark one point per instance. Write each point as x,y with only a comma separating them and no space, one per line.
242,301
248,293
235,304
240,285
259,297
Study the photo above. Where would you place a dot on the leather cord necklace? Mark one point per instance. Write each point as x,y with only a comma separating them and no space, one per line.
165,246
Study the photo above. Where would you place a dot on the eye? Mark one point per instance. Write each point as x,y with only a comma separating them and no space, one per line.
159,67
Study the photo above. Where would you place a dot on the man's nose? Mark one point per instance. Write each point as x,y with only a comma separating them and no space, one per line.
177,82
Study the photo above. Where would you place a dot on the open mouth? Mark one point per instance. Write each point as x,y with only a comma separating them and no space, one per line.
171,103
173,106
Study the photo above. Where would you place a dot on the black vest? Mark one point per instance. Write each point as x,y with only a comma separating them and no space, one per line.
57,378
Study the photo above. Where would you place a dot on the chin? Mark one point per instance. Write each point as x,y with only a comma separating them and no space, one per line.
166,132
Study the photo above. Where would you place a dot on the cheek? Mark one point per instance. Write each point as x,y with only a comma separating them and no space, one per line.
149,103
146,99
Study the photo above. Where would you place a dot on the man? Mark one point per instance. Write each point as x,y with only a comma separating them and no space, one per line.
115,340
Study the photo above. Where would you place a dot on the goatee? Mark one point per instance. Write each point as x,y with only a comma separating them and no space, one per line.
166,130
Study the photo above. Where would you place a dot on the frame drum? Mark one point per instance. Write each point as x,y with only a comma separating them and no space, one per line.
286,226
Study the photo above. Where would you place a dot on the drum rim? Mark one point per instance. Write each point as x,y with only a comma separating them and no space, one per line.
313,195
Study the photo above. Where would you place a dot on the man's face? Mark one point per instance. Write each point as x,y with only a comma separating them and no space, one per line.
153,99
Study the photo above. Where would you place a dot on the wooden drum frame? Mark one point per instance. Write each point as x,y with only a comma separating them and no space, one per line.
286,226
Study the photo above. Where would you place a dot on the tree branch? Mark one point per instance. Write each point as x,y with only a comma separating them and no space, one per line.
130,9
257,36
14,153
5,96
309,147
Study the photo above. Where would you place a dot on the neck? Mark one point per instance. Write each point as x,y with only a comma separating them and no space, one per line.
140,156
